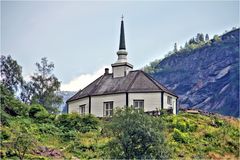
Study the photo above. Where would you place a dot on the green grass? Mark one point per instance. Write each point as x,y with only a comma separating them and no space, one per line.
188,135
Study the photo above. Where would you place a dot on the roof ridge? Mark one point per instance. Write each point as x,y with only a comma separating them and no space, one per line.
70,99
162,87
130,85
149,77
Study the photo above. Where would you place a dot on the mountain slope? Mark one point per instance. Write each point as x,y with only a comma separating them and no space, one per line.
65,95
207,77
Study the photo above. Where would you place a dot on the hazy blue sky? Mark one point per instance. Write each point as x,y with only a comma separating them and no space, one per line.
82,37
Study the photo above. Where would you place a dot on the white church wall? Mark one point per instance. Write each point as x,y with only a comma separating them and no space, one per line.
151,100
118,71
119,100
166,105
73,106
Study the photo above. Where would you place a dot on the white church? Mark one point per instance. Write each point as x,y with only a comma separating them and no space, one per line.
124,87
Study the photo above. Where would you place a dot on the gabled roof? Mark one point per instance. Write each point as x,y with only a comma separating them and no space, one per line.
135,82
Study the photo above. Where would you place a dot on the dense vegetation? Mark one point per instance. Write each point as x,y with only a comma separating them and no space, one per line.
41,89
30,132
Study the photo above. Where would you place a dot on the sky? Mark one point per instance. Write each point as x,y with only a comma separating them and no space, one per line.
81,37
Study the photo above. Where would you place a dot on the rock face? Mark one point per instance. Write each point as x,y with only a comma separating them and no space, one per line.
206,78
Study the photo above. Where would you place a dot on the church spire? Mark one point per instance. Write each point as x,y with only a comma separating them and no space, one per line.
122,36
121,67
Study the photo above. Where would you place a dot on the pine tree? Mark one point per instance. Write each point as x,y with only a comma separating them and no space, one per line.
207,37
175,48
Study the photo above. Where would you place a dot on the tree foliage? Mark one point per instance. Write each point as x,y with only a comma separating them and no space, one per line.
11,73
27,91
175,48
137,136
22,142
152,67
45,85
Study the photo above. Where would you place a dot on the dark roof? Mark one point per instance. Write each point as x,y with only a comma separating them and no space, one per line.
136,82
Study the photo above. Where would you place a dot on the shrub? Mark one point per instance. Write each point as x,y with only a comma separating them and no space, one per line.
76,122
180,137
137,136
184,125
69,121
89,123
68,136
36,111
22,141
14,107
4,135
5,118
209,136
10,153
46,128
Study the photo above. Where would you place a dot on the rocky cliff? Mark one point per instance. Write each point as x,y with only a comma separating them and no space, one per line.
205,78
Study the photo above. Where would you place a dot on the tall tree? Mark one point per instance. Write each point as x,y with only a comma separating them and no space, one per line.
192,41
45,85
207,37
27,91
175,48
200,38
11,73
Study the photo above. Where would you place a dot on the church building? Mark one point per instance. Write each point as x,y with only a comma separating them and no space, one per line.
124,87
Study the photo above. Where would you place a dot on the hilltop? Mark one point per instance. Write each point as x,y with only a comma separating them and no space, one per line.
205,74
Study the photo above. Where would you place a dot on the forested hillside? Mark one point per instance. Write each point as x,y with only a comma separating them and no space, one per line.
204,73
30,132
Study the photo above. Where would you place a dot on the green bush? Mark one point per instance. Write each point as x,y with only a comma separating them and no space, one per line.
37,111
69,121
76,122
68,136
184,125
5,118
14,107
46,128
180,136
4,135
10,153
89,123
136,136
209,136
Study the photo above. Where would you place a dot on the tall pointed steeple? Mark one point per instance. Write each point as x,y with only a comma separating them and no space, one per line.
122,36
121,67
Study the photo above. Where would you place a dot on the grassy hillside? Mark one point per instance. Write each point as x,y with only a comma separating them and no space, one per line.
44,136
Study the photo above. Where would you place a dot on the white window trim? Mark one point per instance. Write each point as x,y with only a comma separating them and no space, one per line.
82,108
109,109
169,100
138,101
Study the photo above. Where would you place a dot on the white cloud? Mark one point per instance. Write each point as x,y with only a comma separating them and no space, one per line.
82,80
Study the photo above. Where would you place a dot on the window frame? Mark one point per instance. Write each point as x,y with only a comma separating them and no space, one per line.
139,102
82,108
169,100
108,108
